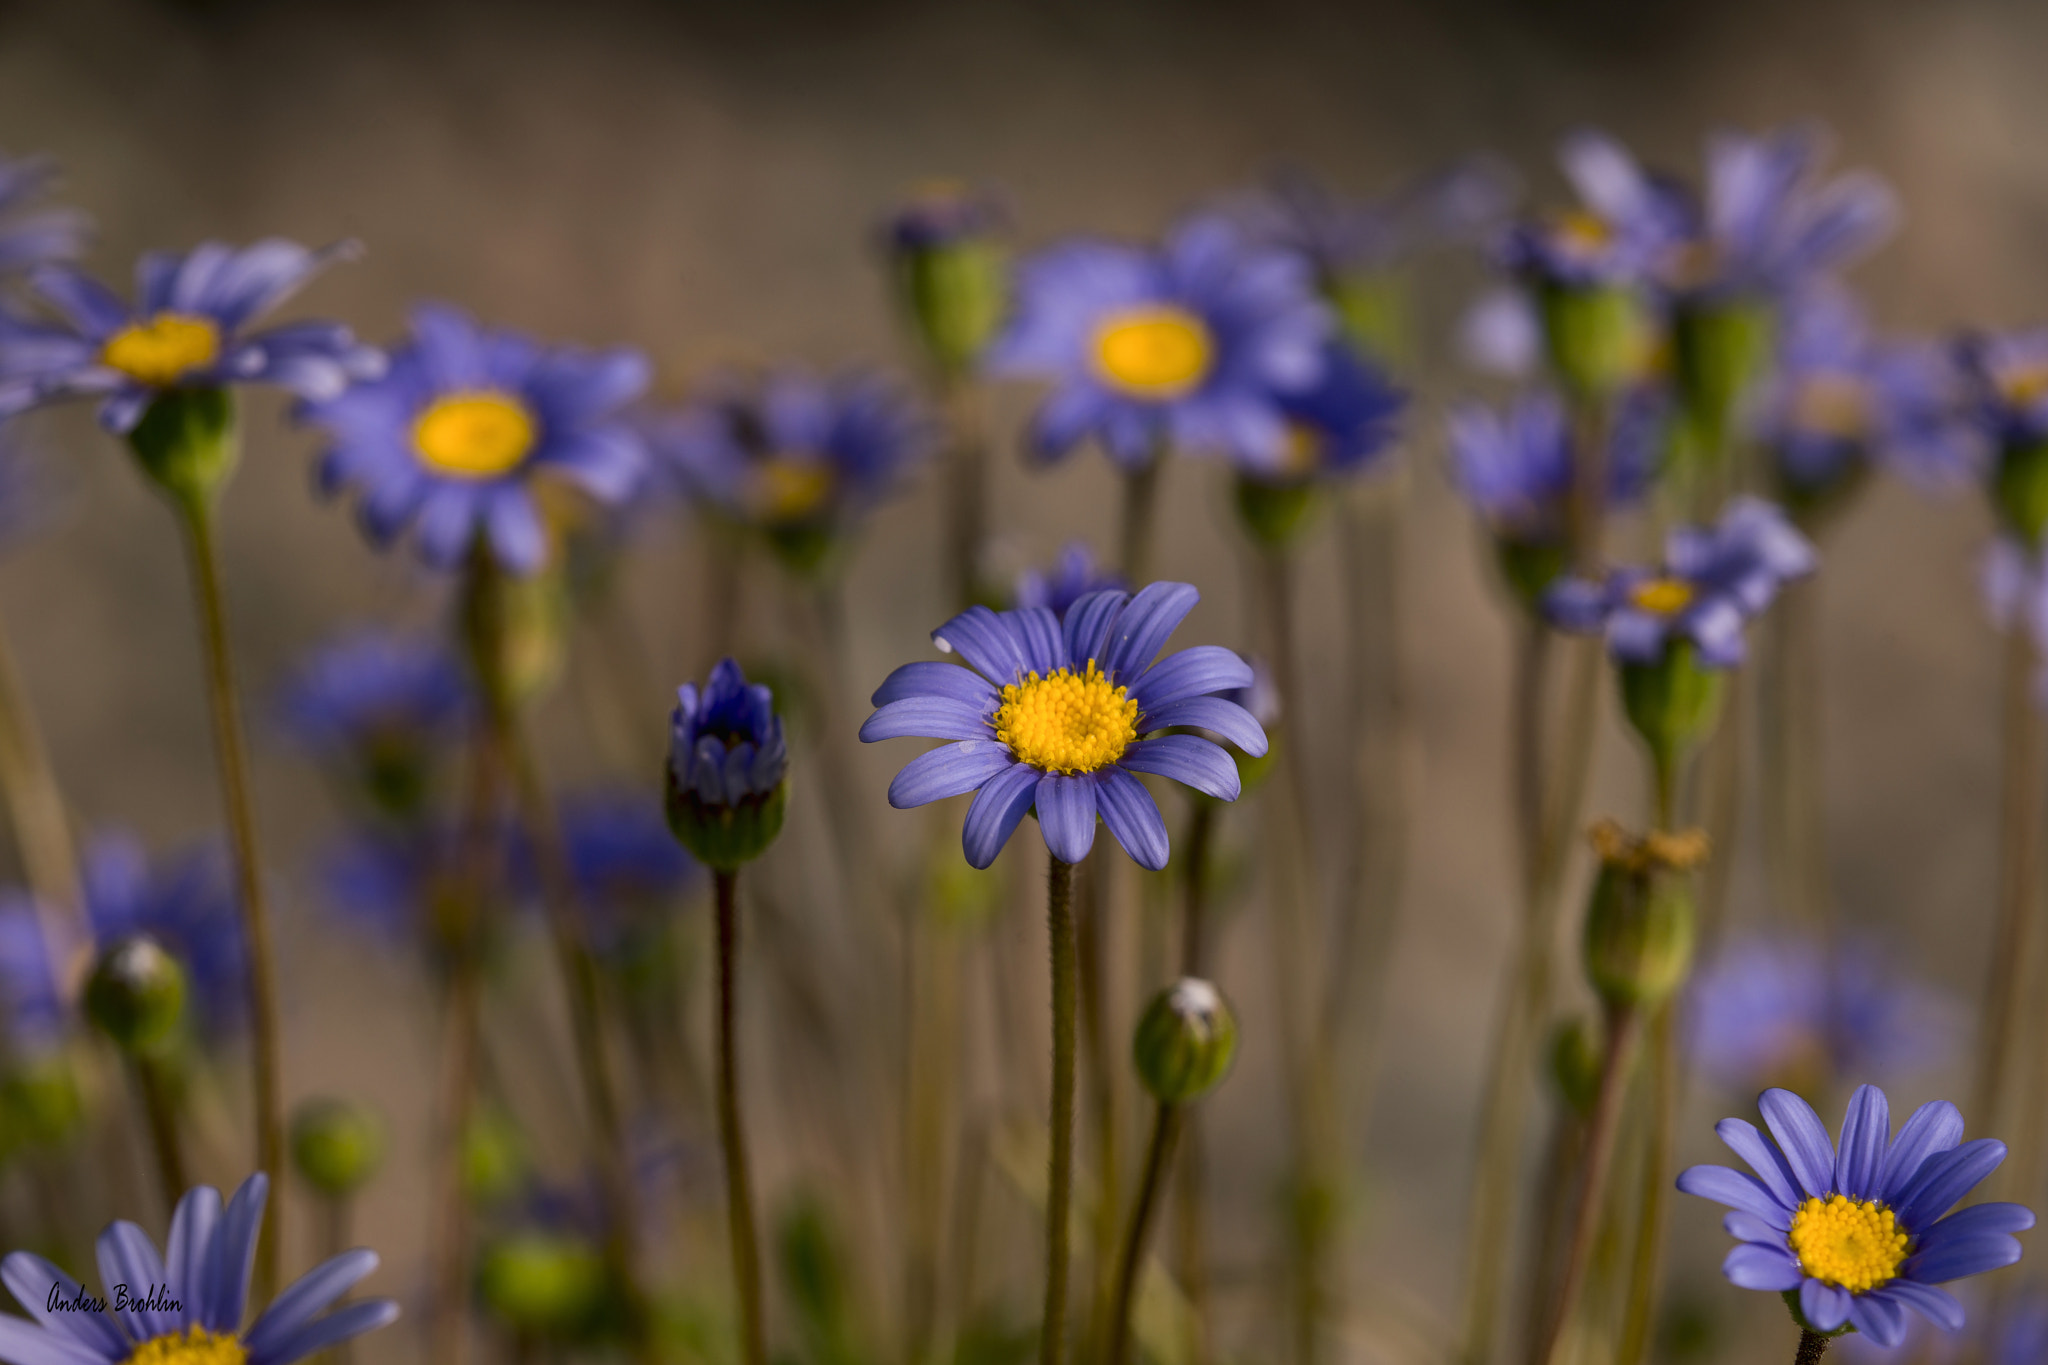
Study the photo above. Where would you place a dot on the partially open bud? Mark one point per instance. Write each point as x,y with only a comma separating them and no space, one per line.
136,995
1185,1042
187,444
1640,921
336,1145
728,770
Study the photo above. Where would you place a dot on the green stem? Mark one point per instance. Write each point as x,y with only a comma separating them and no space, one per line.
1140,515
739,1186
1092,954
2019,875
1812,1346
267,1053
161,1111
1059,919
34,802
1158,1160
1191,1249
1646,1267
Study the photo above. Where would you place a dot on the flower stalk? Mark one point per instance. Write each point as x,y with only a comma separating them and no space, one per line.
739,1185
1059,919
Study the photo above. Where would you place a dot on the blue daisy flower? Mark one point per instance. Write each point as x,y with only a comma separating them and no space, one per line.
391,884
1187,345
1627,221
1337,427
29,236
452,440
1713,582
193,1299
1859,1232
1075,574
627,864
1049,717
187,329
726,744
1515,466
2007,377
187,903
364,689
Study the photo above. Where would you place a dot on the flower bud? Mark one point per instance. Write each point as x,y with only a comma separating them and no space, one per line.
1640,922
1591,333
549,1284
187,444
952,271
336,1145
1185,1041
2019,489
728,766
1720,349
136,994
1672,703
494,1160
1575,1063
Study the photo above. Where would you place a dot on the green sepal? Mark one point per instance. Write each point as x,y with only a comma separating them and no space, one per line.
40,1103
1640,929
187,443
803,547
1673,705
1529,567
1719,349
1372,311
955,296
723,837
1185,1042
1591,334
1274,514
2019,490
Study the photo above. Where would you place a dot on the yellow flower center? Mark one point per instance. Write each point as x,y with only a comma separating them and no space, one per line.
1067,722
1662,596
2023,384
474,435
1303,453
1583,231
193,1346
1854,1243
789,490
1832,404
160,351
1156,351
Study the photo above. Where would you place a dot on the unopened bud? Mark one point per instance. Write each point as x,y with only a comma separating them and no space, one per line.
187,444
1640,921
136,994
336,1145
1185,1042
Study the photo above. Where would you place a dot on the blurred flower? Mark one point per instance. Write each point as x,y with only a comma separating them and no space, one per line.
33,1012
1048,717
949,251
1713,581
627,865
186,331
1075,574
1859,1232
943,213
1778,1007
1187,345
457,437
30,237
2007,373
1337,427
389,883
1340,236
1502,333
1840,398
187,1309
1626,222
1515,467
380,705
186,902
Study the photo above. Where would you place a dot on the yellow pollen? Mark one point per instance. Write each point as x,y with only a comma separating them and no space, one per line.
193,1346
1067,722
1832,404
1584,231
474,435
2023,383
1854,1243
1303,453
1661,596
790,490
1156,351
164,349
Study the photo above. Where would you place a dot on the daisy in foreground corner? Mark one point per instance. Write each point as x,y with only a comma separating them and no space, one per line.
192,1311
1855,1237
1049,716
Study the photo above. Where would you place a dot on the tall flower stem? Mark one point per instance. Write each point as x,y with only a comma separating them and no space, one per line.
1603,1125
1094,959
739,1186
1139,518
1789,724
34,802
1191,1252
2019,874
161,1111
196,516
1812,1346
1158,1161
1059,921
1646,1264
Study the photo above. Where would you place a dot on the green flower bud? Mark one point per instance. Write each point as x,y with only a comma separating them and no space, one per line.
955,293
1275,514
545,1283
1640,921
1673,705
1575,1063
1185,1041
1720,349
336,1145
494,1161
136,995
1592,334
726,837
187,444
2019,489
1791,1297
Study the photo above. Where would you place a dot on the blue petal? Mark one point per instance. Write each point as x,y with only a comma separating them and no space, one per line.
1141,629
1762,1267
234,1256
1226,718
997,808
1742,1138
1038,630
1878,1318
927,718
932,678
1087,623
1133,818
126,1256
86,304
1737,1190
1866,1132
1945,1178
310,1294
1196,672
1938,1306
517,536
979,636
1802,1138
1066,815
29,1277
1188,759
1934,1127
1962,1256
23,1344
1747,1227
340,1325
948,771
1977,1220
1826,1306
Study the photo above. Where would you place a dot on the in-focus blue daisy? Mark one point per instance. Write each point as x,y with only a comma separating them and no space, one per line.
1774,1007
189,328
454,438
34,1014
1859,1232
1340,236
1339,426
1515,466
1049,716
1841,398
31,236
1075,574
186,902
1184,346
795,451
185,1307
1626,222
1713,582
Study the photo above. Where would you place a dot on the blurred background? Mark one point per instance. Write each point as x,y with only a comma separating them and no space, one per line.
705,181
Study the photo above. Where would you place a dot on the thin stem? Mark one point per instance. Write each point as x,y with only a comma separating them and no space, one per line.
1059,920
1092,953
1812,1346
2019,874
1624,1024
1646,1267
739,1187
1194,905
1191,1234
266,1055
1140,514
161,1111
1158,1160
34,803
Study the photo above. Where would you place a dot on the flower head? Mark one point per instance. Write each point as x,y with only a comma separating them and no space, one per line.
2007,378
1074,575
1626,221
189,328
380,705
1515,466
1188,344
185,1308
34,1011
1339,426
1049,714
727,768
625,862
945,213
1859,1232
29,236
456,438
186,902
1712,583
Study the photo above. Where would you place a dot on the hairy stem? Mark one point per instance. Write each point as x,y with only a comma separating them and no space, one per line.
1059,919
739,1186
1812,1346
161,1112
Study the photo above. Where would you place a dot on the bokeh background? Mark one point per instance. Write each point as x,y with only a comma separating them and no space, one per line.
705,180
